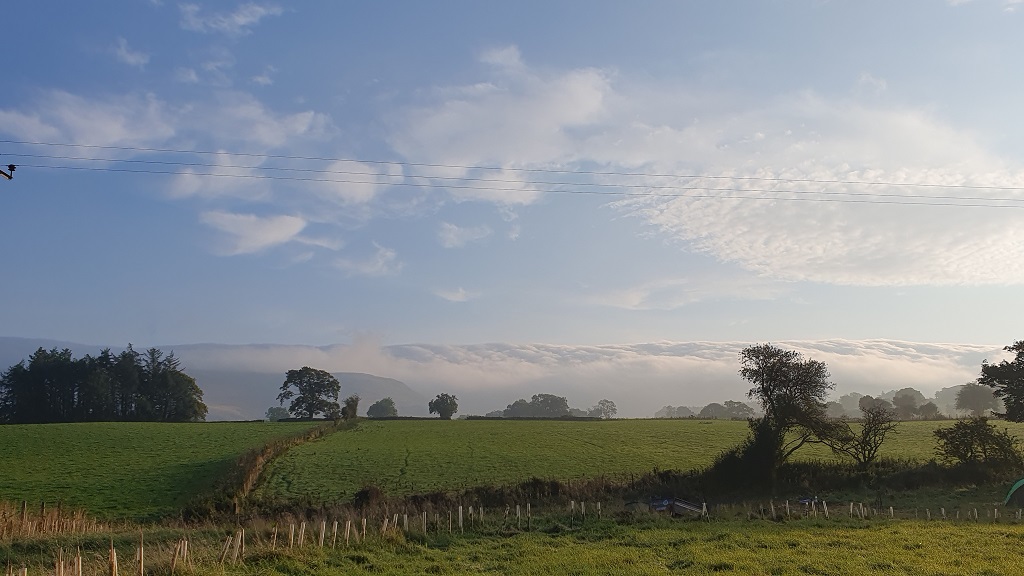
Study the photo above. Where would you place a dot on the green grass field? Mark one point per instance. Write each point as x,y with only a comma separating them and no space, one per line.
417,456
133,469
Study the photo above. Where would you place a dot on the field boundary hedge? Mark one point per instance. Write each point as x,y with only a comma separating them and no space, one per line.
249,468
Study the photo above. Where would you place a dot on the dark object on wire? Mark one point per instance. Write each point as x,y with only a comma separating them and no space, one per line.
10,172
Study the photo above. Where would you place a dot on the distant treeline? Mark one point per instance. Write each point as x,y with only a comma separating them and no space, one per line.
54,387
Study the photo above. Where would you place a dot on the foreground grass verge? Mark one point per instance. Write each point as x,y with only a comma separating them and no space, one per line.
417,457
637,545
125,469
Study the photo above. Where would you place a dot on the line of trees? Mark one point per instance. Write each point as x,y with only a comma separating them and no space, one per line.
792,392
906,404
52,386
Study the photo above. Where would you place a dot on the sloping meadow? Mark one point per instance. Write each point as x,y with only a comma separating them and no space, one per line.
125,469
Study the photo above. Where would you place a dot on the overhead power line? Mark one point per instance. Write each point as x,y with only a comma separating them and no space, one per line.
963,201
481,184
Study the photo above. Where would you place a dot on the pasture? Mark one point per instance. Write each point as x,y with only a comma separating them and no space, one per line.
419,456
125,469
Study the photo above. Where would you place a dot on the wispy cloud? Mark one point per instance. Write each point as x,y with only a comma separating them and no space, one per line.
671,293
249,233
384,262
186,75
458,295
127,120
265,79
125,54
790,159
237,23
452,236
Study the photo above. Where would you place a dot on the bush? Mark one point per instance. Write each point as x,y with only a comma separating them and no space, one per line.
974,440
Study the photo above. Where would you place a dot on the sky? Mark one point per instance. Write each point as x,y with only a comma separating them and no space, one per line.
479,181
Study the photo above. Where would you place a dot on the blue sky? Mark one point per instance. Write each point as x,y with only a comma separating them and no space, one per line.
532,172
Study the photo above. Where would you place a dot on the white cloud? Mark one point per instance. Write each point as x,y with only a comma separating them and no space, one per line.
384,262
186,75
128,56
237,23
458,295
127,120
249,233
243,119
586,118
264,79
671,293
355,182
519,118
452,236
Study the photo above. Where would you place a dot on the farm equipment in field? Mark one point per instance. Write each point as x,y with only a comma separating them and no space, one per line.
677,507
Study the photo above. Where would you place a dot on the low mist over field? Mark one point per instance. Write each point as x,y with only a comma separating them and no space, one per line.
241,382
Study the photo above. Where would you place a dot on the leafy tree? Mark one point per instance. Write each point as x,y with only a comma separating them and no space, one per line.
869,401
539,406
444,405
851,402
549,405
604,409
835,410
276,413
976,399
928,411
713,411
974,440
792,393
1007,378
738,410
674,412
946,399
682,412
905,405
350,409
311,392
863,444
383,408
519,409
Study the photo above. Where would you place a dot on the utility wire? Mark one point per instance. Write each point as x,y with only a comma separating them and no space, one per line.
512,169
463,179
580,191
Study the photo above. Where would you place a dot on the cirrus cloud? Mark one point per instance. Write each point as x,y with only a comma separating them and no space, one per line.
249,233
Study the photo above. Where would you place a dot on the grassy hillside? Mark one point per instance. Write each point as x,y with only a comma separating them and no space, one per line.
405,457
135,469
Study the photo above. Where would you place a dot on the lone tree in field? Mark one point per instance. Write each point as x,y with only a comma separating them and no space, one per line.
445,405
792,393
311,392
604,409
862,445
976,399
383,408
1007,378
276,413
